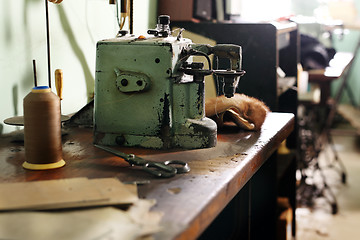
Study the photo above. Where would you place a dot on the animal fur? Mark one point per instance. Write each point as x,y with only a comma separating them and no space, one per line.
251,109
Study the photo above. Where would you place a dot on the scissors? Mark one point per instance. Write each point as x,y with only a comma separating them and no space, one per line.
165,169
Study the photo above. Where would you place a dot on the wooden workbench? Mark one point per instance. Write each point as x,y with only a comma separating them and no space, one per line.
190,202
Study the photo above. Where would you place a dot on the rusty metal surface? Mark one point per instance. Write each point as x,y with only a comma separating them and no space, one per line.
189,201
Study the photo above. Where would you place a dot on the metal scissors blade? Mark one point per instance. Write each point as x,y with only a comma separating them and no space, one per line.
113,151
160,169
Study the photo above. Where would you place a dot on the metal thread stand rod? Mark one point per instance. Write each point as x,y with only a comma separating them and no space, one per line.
48,41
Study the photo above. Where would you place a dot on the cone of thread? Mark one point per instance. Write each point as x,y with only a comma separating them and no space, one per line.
42,130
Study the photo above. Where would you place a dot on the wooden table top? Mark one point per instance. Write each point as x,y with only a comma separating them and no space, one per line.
190,201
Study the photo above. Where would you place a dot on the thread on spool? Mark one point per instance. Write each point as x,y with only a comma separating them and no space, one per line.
42,130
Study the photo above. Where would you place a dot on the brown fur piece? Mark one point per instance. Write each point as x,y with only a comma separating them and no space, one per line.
251,109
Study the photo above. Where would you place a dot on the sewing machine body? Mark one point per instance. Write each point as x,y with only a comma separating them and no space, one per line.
149,92
140,100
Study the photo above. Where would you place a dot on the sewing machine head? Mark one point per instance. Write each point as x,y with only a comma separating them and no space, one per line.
149,92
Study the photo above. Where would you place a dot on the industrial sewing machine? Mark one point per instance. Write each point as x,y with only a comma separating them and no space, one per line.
149,92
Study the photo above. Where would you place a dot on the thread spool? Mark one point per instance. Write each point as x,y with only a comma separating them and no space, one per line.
42,130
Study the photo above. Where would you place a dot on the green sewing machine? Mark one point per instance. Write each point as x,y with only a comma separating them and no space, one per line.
149,92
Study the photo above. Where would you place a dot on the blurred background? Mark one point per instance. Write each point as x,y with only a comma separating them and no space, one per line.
76,26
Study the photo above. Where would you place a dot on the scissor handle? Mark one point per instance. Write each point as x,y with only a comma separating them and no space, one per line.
160,169
181,166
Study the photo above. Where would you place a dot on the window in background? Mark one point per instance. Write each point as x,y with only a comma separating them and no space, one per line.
264,10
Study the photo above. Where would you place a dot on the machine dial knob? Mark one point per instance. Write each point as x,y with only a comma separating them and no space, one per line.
164,19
